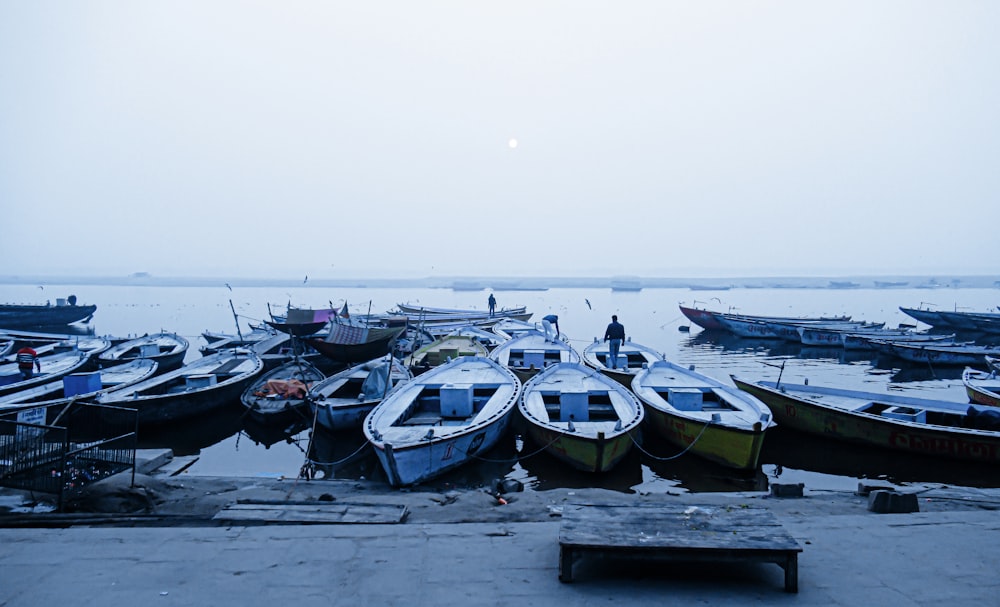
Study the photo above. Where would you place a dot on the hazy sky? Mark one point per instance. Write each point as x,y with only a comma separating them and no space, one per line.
343,139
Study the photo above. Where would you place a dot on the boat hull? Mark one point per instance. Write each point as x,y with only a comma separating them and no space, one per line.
442,419
586,453
727,446
22,317
415,463
831,422
981,388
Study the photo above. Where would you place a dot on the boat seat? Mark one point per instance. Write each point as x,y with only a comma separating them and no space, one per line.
226,367
457,401
574,406
424,419
685,399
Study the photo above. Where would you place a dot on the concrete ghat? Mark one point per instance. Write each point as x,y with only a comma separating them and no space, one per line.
462,548
848,559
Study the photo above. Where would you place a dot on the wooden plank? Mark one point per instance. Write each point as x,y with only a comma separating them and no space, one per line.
336,513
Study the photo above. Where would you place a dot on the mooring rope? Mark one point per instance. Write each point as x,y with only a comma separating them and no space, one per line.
672,457
338,462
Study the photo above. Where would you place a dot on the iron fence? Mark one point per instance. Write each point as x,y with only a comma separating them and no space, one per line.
60,449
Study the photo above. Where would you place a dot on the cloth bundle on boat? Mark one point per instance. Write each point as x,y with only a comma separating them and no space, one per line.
284,388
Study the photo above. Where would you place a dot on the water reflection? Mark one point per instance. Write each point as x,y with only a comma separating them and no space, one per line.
788,451
668,470
190,436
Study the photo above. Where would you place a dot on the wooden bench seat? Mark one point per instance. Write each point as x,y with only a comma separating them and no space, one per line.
677,532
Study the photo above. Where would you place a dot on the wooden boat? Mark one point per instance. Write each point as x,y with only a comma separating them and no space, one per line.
789,330
510,328
80,387
701,414
301,322
893,421
167,349
581,416
981,322
632,357
442,350
217,340
528,354
442,419
488,339
278,396
862,341
65,312
428,311
708,319
54,365
928,317
993,363
412,339
982,388
347,343
341,401
439,329
197,387
44,345
954,354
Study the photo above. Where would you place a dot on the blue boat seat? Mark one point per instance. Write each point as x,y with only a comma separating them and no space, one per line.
574,406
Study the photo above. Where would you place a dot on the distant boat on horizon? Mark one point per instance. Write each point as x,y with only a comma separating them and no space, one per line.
626,283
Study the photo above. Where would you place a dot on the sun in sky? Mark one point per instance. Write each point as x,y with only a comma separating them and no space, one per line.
512,143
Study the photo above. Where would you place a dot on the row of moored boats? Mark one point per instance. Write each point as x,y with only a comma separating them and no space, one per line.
455,394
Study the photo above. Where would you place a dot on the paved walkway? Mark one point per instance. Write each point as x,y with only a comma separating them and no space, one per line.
930,558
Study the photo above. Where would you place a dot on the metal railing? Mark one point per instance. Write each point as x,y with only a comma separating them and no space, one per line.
60,449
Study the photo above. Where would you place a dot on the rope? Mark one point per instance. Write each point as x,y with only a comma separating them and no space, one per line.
508,459
672,457
338,462
307,466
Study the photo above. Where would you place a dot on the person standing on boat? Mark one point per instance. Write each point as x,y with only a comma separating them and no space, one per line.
547,324
27,362
615,336
492,301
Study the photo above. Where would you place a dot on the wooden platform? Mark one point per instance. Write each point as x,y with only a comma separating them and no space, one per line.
677,532
320,513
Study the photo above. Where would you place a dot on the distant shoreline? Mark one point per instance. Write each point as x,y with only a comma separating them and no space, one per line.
464,283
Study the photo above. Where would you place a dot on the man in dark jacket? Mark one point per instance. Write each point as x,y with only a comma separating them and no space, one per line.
614,335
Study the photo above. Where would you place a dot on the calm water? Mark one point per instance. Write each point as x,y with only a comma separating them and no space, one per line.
227,446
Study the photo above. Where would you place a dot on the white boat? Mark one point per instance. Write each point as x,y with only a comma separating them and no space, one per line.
982,388
581,416
702,414
53,367
510,328
202,385
341,401
632,357
442,419
167,349
80,387
531,352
